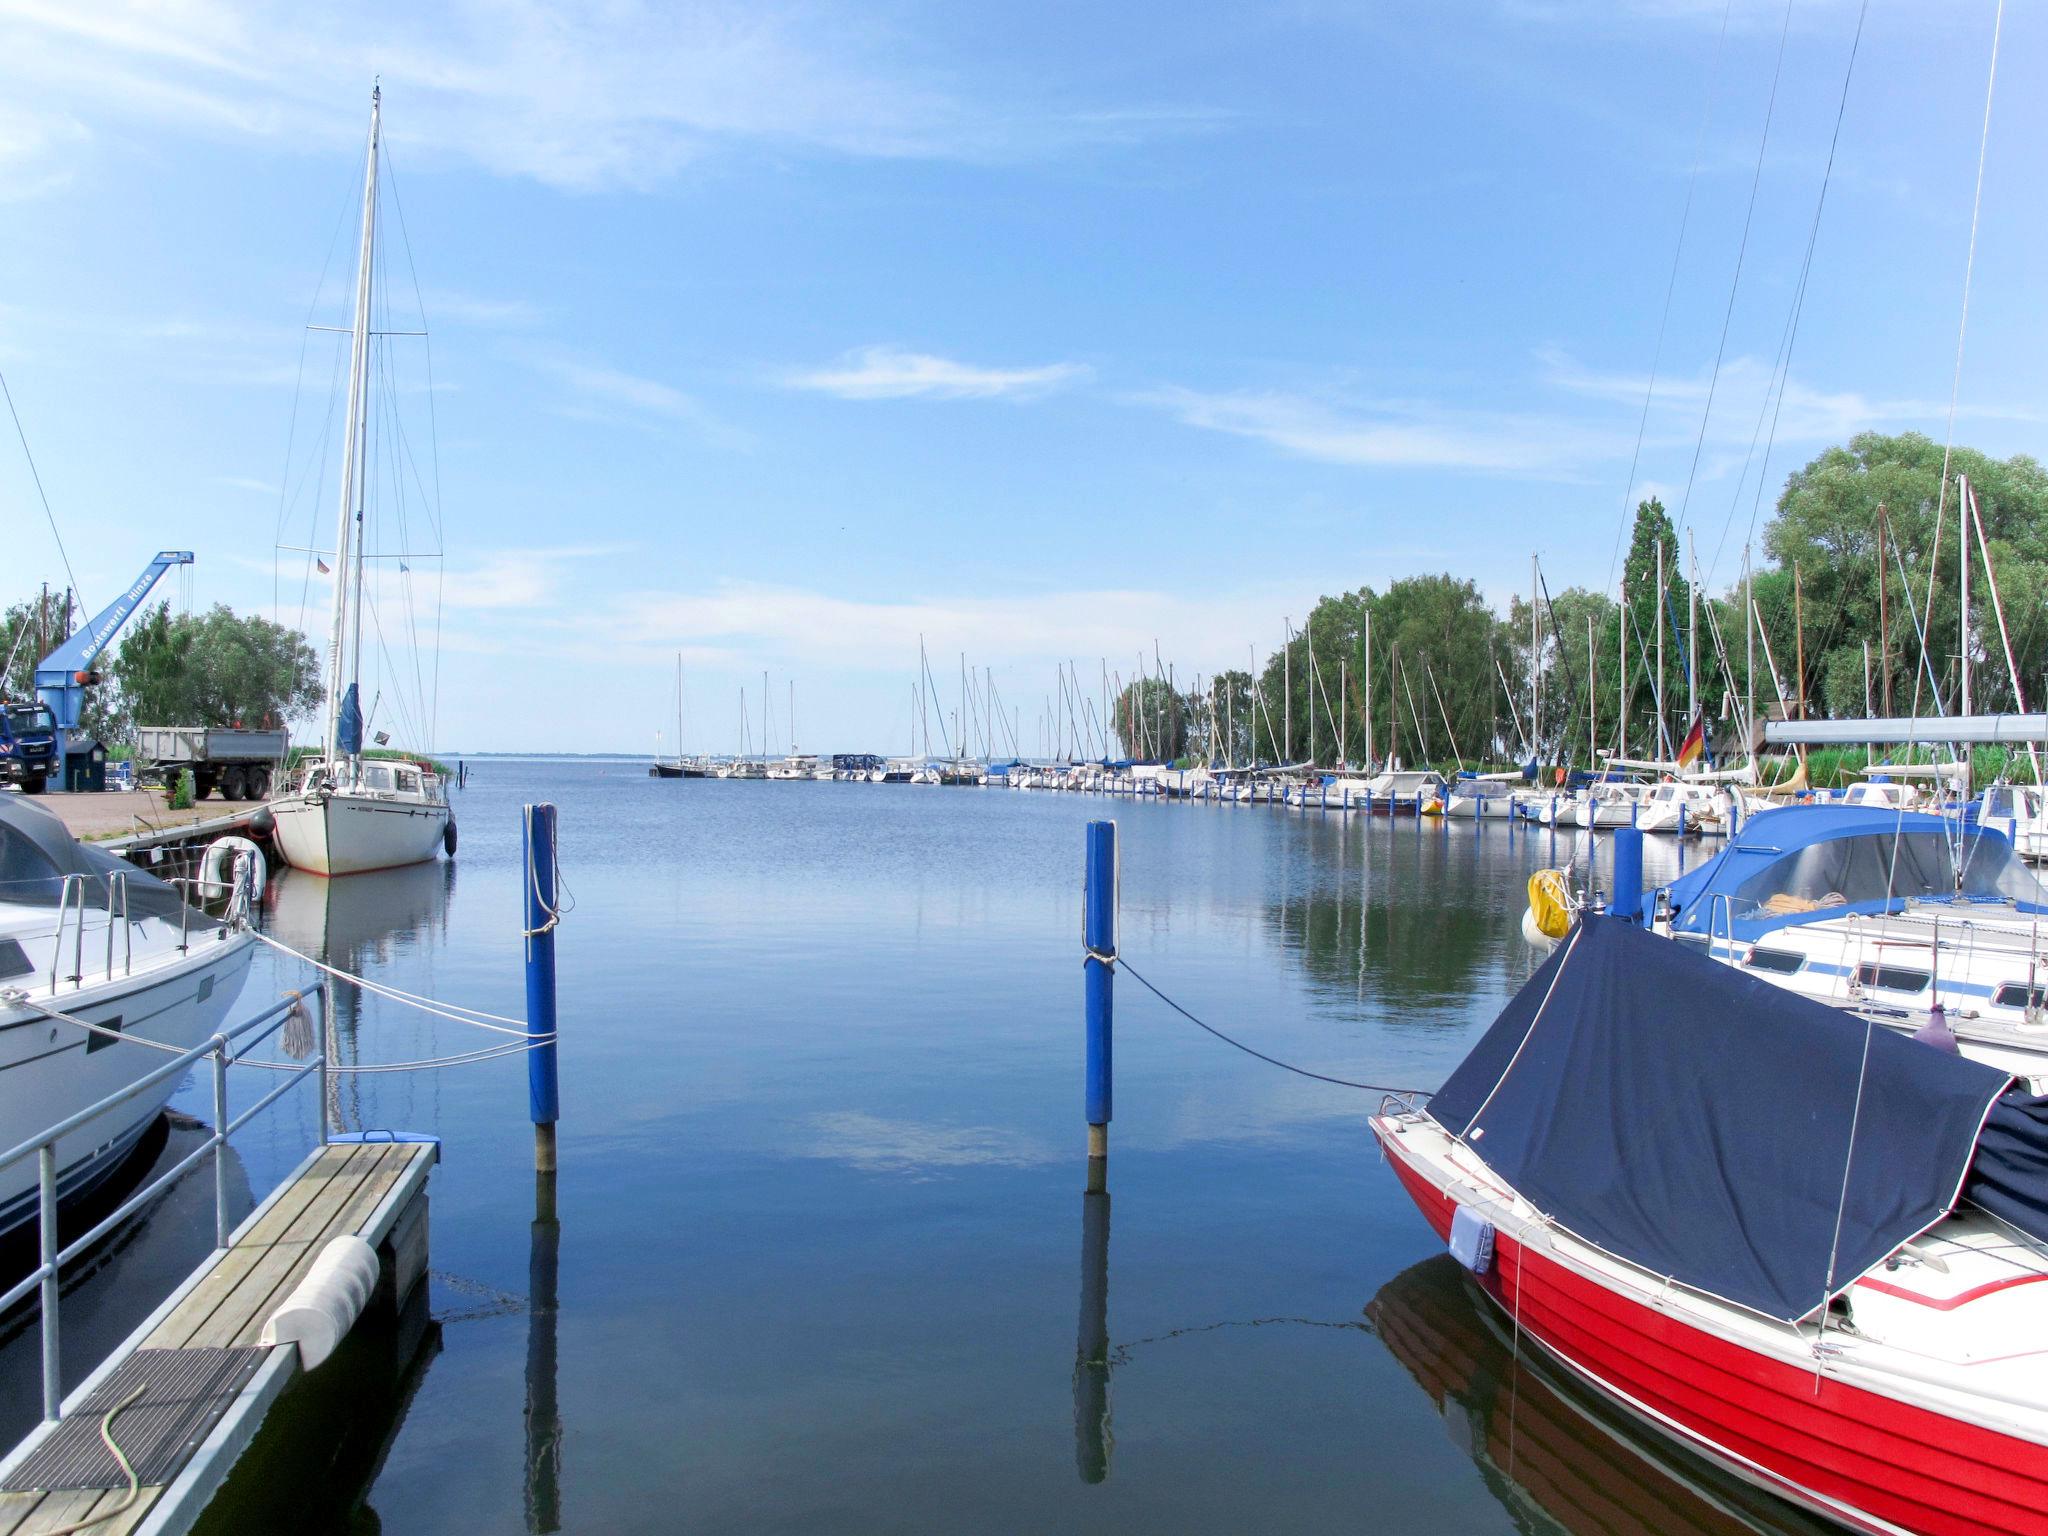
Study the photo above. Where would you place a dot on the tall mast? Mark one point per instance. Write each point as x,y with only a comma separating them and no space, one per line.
1963,613
349,535
1662,736
1592,701
1749,659
1692,636
1884,642
1366,683
1535,655
1621,689
1287,687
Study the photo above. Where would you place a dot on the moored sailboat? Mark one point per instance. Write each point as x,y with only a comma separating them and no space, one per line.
346,814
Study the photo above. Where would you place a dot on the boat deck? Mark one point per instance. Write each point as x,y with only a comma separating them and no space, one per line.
207,1382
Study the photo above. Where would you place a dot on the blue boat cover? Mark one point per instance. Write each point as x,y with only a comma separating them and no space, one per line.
1707,1125
2010,1177
1802,862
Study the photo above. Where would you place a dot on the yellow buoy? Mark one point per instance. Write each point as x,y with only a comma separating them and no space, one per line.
1550,902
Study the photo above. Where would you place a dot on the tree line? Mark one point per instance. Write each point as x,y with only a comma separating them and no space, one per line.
213,668
1857,593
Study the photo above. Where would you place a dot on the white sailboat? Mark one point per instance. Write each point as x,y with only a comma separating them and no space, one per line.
345,815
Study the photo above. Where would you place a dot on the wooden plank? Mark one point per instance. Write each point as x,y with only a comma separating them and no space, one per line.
57,1509
339,1167
287,1262
15,1508
132,1516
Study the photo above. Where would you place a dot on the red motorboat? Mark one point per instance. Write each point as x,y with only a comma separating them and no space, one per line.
1807,1248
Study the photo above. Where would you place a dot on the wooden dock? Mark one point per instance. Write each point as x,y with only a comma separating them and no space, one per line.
206,1383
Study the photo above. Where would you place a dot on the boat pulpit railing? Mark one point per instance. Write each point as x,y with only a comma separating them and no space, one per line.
231,1047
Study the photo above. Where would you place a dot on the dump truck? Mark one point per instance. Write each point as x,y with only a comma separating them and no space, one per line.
240,764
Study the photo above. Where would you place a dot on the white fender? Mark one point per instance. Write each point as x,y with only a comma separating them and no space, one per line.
324,1306
224,857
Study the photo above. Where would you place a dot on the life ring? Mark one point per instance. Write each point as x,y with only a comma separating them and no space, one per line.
1550,903
221,865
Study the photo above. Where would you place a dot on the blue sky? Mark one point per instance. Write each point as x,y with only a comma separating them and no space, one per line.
780,334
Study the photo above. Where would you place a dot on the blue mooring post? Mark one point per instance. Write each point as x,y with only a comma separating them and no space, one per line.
542,912
1628,874
1098,935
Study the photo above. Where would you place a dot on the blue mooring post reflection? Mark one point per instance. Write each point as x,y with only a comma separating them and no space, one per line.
1092,1435
543,1412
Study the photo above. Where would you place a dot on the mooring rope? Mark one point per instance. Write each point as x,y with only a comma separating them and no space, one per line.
460,1059
1118,962
460,1013
120,1460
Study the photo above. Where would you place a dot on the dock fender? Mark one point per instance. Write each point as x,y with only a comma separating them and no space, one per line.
220,866
325,1305
448,837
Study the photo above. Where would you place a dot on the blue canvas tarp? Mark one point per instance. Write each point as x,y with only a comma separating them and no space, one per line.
2010,1177
1699,1122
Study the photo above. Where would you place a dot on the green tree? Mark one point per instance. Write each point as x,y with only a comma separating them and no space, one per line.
1826,523
215,668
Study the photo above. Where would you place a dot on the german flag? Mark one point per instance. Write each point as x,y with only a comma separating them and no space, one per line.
1695,743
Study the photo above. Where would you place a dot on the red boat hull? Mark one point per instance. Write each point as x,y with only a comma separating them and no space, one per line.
1869,1461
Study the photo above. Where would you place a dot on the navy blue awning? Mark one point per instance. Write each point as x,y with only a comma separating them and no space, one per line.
1708,1126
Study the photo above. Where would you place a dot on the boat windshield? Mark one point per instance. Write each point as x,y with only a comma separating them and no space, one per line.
1874,870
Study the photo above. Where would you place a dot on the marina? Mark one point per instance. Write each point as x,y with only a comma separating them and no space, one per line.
1451,936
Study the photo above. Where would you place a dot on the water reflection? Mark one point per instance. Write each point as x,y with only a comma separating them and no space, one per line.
1092,1435
543,1411
1395,910
1556,1456
359,925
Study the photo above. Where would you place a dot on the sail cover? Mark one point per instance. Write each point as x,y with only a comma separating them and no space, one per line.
1708,1126
348,732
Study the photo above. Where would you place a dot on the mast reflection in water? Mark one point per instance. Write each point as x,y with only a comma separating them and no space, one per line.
1554,1454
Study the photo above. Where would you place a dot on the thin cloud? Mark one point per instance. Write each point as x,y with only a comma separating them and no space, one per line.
1809,413
1389,435
890,373
599,392
584,94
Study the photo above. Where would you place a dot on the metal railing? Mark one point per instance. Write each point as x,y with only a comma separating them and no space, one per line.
43,1147
71,910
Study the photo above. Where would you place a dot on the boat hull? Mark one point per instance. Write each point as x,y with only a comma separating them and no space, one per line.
50,1070
1870,1462
346,834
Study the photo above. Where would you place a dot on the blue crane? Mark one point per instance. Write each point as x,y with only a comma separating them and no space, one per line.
63,676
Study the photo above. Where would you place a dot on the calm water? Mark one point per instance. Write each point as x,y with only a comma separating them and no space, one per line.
823,1258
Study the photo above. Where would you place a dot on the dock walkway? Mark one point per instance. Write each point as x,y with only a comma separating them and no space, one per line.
207,1382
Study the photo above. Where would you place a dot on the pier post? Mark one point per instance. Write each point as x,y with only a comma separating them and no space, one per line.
1098,936
542,913
1628,874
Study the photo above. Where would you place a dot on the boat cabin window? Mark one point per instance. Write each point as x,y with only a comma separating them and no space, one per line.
1782,962
408,782
2016,994
1882,866
1892,978
14,960
1998,801
376,776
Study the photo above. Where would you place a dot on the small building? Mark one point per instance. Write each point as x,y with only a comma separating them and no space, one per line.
85,765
